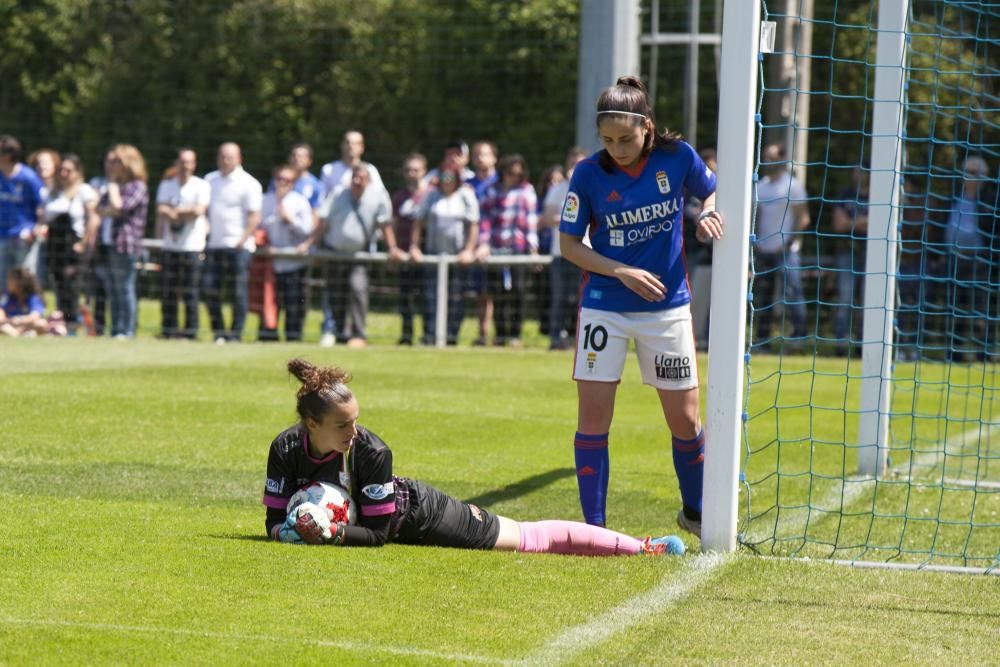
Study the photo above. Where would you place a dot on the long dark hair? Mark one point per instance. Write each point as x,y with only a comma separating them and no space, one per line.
27,284
77,163
628,96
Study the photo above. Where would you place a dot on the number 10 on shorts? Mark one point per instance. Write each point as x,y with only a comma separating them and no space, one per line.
664,345
595,338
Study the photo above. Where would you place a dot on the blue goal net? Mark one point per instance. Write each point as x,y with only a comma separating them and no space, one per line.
934,497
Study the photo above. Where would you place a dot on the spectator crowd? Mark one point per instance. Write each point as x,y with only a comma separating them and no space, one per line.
226,239
229,238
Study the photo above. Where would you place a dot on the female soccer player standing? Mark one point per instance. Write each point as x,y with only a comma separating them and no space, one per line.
328,445
629,196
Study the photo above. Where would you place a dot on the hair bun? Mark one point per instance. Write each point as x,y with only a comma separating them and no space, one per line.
631,82
316,378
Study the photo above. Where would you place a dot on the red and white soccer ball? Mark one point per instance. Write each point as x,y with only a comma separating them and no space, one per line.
334,498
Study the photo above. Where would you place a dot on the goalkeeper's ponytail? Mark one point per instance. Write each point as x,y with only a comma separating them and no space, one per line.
322,388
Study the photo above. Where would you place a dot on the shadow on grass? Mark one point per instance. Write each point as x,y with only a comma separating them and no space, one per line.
521,488
240,536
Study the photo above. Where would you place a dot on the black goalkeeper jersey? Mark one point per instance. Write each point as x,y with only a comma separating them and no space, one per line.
365,471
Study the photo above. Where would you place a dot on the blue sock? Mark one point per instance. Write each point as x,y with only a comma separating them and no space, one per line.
592,471
689,464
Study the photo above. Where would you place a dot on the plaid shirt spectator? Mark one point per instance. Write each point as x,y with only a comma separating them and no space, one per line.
128,228
509,219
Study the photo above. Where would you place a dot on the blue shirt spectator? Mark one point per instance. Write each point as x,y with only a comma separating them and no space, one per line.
20,196
306,184
484,162
13,306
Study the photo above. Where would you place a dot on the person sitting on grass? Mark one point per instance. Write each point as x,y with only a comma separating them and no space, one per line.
22,309
329,445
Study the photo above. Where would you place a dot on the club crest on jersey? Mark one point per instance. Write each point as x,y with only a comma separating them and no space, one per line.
591,361
662,182
571,208
379,491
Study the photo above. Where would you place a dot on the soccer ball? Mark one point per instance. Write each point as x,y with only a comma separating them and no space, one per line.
334,498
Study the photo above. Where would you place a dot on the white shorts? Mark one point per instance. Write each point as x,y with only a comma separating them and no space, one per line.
664,342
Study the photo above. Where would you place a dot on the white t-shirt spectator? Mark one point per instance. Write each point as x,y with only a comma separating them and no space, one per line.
963,225
336,176
283,235
234,197
553,204
776,199
447,219
350,224
196,192
76,207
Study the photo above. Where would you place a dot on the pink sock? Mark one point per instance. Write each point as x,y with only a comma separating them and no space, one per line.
572,537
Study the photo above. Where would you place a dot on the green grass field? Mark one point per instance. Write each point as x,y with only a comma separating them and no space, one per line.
940,502
132,531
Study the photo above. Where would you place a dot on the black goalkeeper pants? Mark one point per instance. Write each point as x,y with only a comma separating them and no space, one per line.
437,519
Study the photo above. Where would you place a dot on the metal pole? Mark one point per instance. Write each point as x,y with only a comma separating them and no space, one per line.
691,76
790,75
717,48
727,337
441,311
880,259
654,52
609,48
803,69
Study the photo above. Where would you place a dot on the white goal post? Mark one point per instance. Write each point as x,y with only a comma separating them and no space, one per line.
742,34
727,335
880,258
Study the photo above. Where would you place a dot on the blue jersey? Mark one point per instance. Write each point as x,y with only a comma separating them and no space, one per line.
308,186
482,185
20,197
15,307
311,188
636,218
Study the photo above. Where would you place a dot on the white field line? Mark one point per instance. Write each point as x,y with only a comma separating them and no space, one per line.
890,565
930,459
917,567
972,484
845,494
572,641
360,648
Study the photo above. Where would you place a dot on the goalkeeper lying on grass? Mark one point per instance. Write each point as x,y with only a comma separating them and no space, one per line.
329,445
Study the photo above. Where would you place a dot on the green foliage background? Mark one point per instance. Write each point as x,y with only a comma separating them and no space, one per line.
411,75
415,74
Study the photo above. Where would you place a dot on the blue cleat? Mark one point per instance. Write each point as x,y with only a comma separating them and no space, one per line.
659,546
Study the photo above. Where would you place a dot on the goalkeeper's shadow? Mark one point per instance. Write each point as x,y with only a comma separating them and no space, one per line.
520,488
240,536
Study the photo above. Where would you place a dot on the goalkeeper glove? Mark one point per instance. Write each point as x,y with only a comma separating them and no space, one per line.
312,524
286,531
